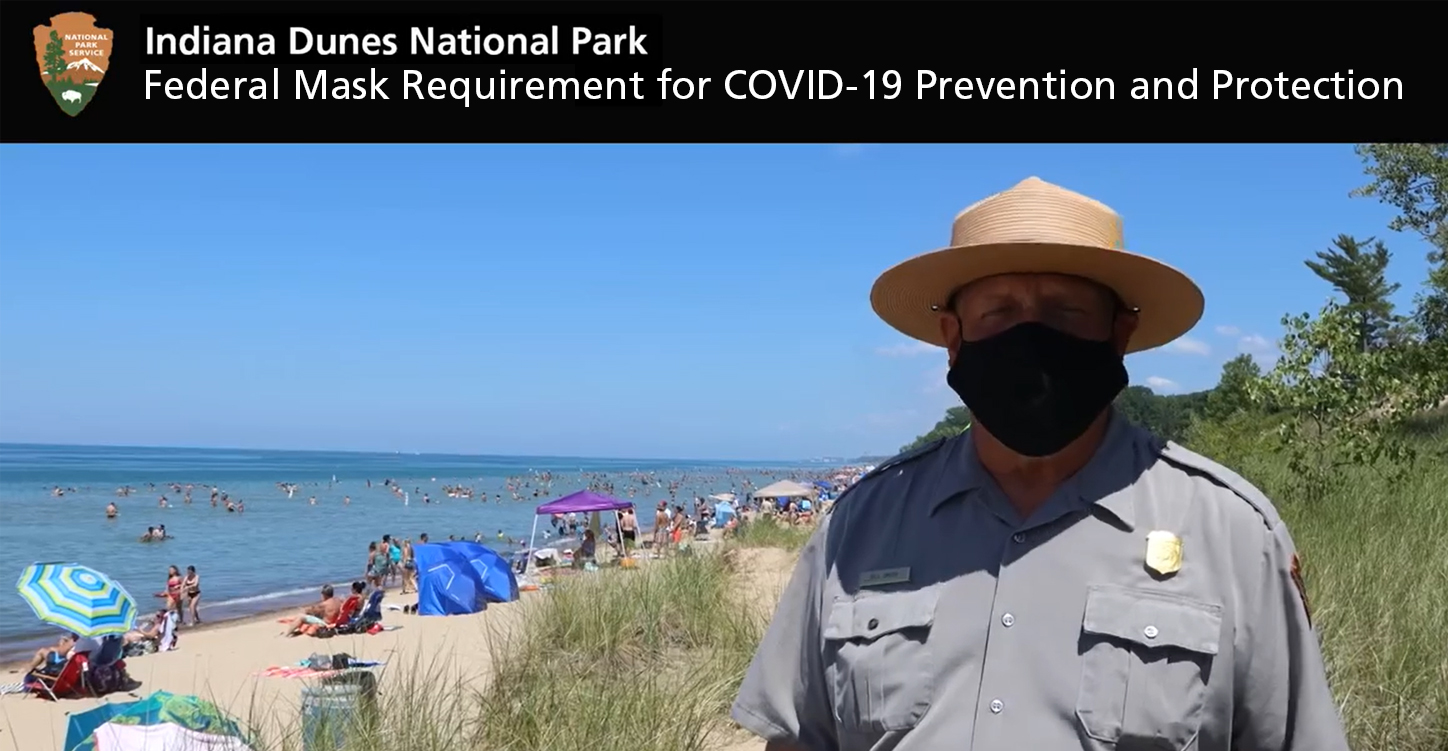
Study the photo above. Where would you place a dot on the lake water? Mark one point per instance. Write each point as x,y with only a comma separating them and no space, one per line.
279,550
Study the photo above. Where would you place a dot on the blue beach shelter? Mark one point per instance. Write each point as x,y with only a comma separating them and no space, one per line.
723,512
499,584
447,583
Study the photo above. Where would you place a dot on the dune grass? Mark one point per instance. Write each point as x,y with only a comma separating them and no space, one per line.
646,659
768,532
1374,552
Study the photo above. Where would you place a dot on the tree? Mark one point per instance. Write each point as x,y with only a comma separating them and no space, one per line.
1168,416
54,55
1347,405
1361,276
1233,393
955,422
1413,178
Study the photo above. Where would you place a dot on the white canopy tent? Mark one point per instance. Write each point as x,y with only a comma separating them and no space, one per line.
785,489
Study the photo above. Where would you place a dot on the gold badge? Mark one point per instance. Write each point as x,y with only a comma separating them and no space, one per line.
1163,552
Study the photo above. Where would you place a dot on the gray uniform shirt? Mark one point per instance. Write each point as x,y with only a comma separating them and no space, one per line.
926,614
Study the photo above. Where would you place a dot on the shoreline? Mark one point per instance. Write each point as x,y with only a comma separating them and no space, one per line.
15,652
12,663
17,648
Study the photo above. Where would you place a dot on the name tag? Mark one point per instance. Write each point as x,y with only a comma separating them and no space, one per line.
885,576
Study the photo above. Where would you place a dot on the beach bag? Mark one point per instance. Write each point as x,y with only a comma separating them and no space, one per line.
339,661
319,661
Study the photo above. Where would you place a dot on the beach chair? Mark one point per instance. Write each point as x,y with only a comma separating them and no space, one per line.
105,672
66,683
364,620
344,615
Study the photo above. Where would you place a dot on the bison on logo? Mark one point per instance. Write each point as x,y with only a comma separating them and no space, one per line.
73,54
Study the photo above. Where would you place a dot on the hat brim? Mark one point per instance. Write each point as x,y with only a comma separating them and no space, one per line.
907,295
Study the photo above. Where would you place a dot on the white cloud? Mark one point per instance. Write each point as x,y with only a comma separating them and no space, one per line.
847,149
1189,346
1262,349
1228,330
907,349
1157,383
1256,344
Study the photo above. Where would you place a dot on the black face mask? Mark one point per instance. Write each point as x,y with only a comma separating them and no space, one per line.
1037,389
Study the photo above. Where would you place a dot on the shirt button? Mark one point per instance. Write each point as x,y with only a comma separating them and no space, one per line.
1150,632
1019,537
1008,620
874,622
996,705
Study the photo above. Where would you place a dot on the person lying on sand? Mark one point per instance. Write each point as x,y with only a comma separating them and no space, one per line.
316,616
146,632
142,631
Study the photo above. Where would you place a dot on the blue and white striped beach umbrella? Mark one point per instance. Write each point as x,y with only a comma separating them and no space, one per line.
77,598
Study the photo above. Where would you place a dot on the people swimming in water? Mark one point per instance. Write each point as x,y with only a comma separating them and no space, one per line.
111,510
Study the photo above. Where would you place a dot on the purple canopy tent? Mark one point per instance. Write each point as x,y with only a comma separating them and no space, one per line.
584,501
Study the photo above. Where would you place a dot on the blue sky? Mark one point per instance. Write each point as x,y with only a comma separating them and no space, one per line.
666,301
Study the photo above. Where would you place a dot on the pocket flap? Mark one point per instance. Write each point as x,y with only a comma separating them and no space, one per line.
872,616
1153,619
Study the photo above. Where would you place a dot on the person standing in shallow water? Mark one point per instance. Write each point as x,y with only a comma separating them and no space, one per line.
409,568
191,587
1134,594
371,573
173,593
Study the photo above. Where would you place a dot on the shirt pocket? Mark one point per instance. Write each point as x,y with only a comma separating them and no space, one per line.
1146,658
877,659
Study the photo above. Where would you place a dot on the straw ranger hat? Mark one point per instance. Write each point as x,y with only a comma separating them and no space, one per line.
1037,227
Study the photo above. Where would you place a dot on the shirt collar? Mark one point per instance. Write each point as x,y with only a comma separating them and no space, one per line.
959,471
1108,478
1105,481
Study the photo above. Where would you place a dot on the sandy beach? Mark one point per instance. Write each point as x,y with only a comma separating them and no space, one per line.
219,663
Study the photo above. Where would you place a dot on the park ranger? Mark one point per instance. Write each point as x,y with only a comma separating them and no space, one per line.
1055,578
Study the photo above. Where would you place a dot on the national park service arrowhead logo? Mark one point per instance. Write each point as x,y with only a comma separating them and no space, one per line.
73,54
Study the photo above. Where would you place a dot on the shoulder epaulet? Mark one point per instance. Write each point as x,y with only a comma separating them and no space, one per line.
904,457
1196,463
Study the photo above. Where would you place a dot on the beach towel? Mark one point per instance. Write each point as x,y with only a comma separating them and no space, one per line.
302,671
12,688
163,737
295,672
168,633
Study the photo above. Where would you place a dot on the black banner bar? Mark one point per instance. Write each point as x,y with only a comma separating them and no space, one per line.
361,72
